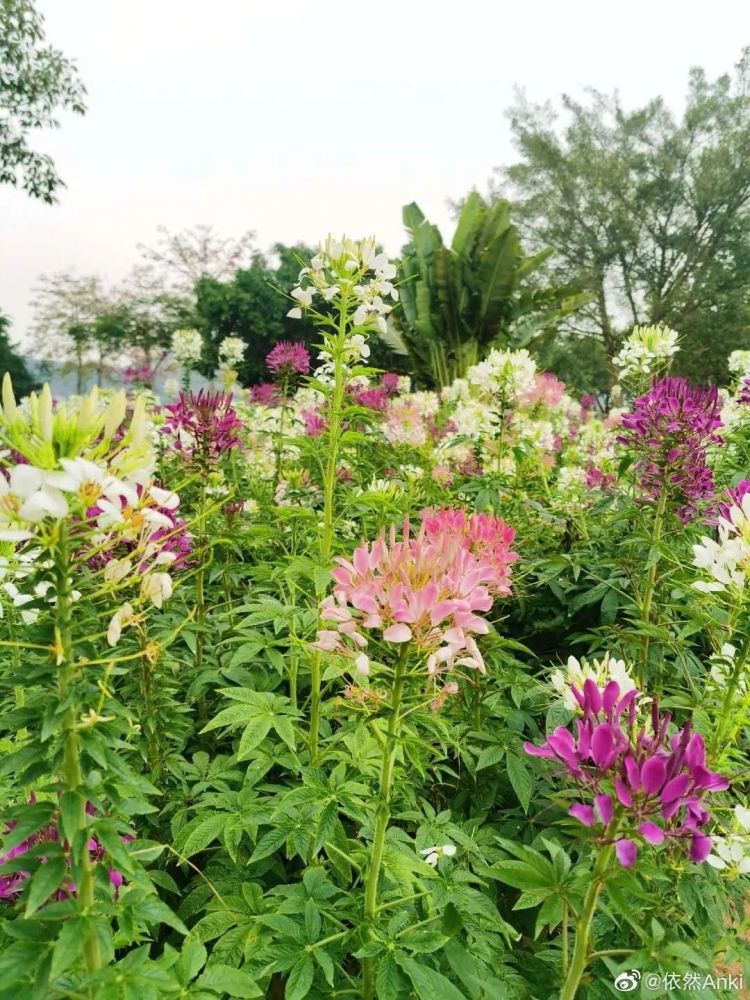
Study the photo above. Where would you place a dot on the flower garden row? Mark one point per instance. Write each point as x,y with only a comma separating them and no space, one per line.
339,687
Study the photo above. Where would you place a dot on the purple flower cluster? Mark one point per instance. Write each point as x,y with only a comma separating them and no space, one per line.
204,424
288,360
11,885
265,394
376,397
743,395
643,783
670,430
141,374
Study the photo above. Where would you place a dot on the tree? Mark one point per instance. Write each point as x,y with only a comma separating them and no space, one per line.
36,82
647,212
181,260
12,363
66,308
459,301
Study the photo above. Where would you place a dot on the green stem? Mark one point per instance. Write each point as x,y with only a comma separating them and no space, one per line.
648,593
382,817
329,513
71,772
581,955
727,704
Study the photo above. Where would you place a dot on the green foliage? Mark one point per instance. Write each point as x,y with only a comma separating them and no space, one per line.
13,363
460,301
38,81
645,211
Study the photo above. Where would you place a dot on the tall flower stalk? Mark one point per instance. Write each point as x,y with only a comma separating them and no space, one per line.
416,602
639,783
350,284
88,527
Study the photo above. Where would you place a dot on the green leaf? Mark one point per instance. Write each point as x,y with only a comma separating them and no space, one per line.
267,844
200,832
300,979
520,778
253,736
45,880
224,979
489,756
388,980
68,947
428,983
192,959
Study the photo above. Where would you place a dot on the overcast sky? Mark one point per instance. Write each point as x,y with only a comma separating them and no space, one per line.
298,118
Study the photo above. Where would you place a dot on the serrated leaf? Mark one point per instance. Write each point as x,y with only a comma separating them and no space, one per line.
224,979
45,880
428,983
300,979
520,778
199,833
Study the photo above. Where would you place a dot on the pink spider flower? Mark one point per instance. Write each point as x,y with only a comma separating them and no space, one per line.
426,590
547,390
487,537
641,783
205,425
288,360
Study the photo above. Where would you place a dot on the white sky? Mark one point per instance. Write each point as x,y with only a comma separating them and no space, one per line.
295,119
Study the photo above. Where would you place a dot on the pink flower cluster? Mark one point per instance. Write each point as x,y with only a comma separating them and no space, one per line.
204,424
487,537
288,360
547,390
141,374
11,885
643,782
426,589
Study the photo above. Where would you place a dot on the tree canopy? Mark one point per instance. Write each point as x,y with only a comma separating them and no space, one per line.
36,82
646,210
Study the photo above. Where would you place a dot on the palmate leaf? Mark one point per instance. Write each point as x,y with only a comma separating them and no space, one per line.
428,983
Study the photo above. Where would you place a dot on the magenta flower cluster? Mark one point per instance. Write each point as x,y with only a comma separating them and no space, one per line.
743,396
376,397
669,431
640,782
205,425
288,360
11,885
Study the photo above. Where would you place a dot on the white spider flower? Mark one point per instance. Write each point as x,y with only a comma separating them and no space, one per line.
433,854
646,349
187,346
122,617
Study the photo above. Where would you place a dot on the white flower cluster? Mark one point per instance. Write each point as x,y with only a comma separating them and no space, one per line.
726,559
738,363
232,351
731,853
356,270
647,349
601,672
356,349
506,374
187,346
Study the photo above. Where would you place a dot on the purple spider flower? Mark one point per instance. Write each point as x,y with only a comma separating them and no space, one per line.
644,784
390,383
670,430
265,394
205,426
743,395
288,360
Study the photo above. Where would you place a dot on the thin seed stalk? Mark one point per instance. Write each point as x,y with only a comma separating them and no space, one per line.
71,772
382,817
